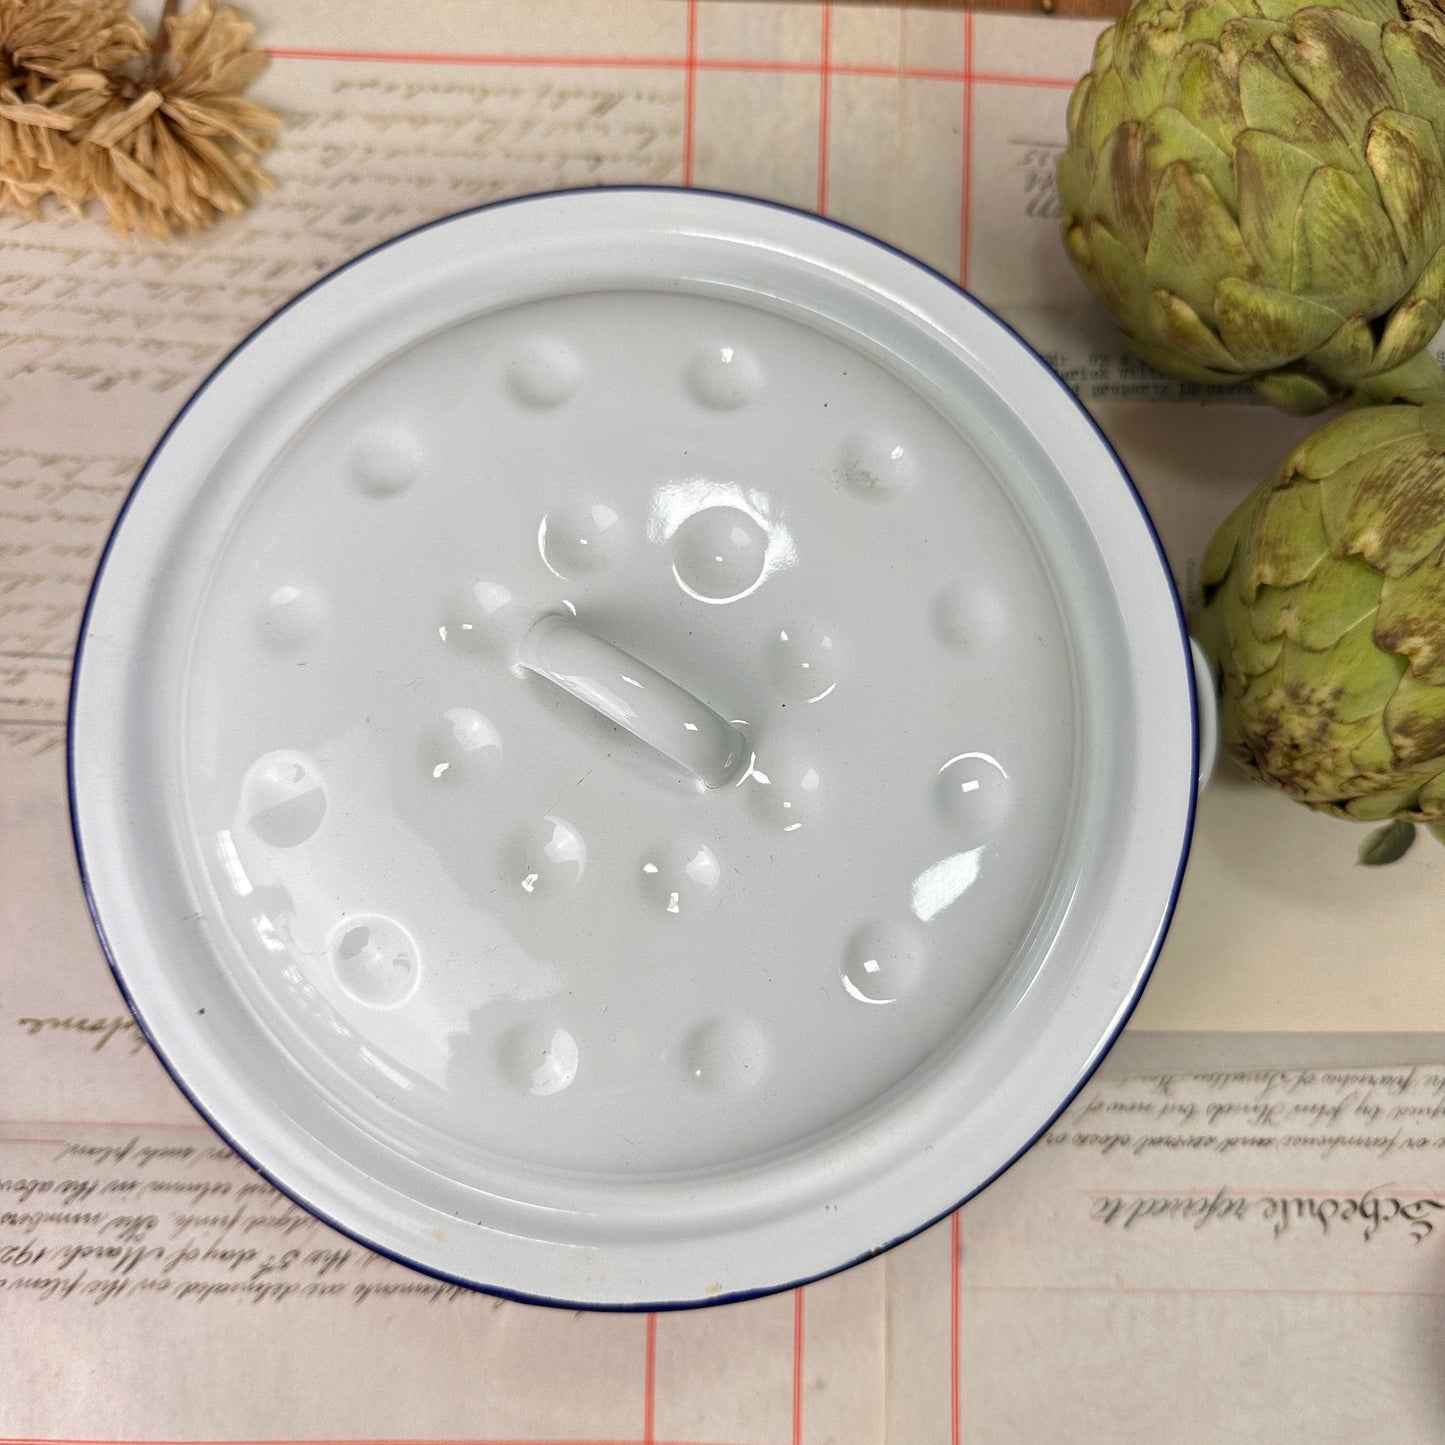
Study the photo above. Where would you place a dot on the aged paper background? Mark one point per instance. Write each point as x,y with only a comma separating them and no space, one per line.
1110,1287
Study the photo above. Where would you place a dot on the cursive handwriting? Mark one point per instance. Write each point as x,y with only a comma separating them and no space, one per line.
1368,1212
101,1218
97,1032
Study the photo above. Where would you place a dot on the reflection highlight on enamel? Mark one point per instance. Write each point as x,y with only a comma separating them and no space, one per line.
545,855
478,618
944,883
787,793
803,662
579,538
231,863
540,1059
676,503
974,793
883,962
681,878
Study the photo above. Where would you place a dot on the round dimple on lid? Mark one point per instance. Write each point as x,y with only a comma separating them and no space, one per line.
656,732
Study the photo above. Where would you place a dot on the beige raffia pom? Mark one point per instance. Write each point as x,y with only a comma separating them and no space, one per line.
51,52
171,145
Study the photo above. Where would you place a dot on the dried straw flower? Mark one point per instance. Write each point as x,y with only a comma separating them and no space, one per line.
51,53
170,144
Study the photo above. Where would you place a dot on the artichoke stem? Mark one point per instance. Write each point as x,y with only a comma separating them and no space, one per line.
1419,380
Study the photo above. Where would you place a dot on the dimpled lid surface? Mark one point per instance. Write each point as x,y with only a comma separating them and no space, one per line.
656,733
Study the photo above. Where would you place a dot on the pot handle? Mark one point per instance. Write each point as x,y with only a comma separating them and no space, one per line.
1208,712
634,696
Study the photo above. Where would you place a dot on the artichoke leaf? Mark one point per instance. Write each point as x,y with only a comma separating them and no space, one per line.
1243,657
1104,50
1302,749
1076,242
1080,108
1404,158
1430,283
1411,327
1352,682
1432,796
1204,92
1284,10
1411,619
1344,246
1415,721
1295,392
1270,176
1419,381
1169,136
1375,756
1264,328
1107,109
1118,276
1073,178
1179,325
1388,506
1214,566
1285,542
1124,187
1417,66
1272,101
1350,439
1143,54
1374,807
1269,612
1378,13
1250,31
1348,354
1205,19
1432,423
1333,600
1337,58
1426,10
1164,358
1260,697
1388,844
1195,242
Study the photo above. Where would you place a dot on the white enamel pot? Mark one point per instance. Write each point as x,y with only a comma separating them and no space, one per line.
632,748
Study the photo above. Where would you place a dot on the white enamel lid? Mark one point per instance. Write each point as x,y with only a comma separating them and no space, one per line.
632,747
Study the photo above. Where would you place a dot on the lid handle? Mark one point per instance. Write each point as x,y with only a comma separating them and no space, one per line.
634,696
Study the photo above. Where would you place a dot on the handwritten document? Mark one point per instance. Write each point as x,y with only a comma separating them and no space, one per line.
1202,1255
1252,1236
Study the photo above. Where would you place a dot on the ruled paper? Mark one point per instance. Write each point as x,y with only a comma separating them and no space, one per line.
153,1288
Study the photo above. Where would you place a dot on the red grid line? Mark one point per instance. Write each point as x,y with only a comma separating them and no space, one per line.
955,1258
339,1440
797,1367
824,83
649,1383
690,61
98,1124
1053,82
689,102
1349,1292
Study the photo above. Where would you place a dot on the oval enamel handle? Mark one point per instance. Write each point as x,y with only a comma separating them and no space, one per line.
634,696
1208,712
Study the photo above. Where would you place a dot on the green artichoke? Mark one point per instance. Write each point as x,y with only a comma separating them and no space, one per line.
1256,190
1325,614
